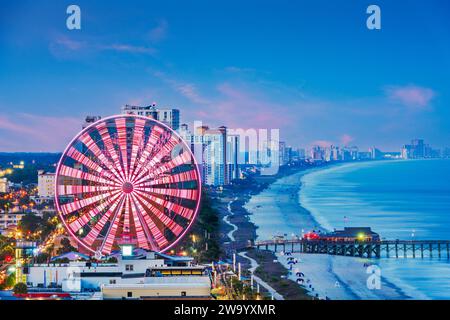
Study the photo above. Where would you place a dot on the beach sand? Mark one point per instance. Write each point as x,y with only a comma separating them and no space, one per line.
337,277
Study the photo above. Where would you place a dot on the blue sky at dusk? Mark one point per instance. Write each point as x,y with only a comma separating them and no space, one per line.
310,68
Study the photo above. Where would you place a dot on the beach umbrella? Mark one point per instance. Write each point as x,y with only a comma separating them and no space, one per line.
300,280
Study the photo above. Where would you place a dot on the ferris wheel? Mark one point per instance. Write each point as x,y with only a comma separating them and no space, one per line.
127,179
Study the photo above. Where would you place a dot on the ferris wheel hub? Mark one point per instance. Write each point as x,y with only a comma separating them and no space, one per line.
127,187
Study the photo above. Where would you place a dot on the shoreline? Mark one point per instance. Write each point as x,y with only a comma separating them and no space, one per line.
332,277
324,271
236,225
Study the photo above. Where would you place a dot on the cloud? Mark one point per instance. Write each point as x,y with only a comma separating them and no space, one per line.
159,32
64,47
30,132
411,96
129,48
70,43
185,89
346,139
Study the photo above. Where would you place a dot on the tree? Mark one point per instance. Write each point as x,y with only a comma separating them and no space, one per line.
42,257
30,222
11,280
20,288
66,246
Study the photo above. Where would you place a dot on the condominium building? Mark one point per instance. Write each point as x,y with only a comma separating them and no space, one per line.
168,116
9,218
216,152
4,185
46,184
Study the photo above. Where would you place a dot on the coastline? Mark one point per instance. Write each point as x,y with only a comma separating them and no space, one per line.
328,277
236,227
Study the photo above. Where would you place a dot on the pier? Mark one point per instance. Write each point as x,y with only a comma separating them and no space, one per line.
363,249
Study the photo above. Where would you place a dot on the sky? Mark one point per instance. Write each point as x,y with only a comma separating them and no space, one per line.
309,68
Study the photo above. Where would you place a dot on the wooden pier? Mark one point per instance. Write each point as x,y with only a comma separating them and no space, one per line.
363,249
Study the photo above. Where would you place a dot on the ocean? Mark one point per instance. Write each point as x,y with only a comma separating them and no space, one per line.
397,199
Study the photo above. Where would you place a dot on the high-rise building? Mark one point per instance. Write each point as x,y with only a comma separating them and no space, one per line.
4,185
232,159
376,153
282,152
317,153
215,151
215,171
418,148
46,184
168,116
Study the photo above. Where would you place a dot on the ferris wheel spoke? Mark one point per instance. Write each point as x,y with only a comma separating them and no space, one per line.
169,223
186,213
108,242
156,158
186,176
98,227
82,221
121,126
136,143
65,190
162,168
81,158
190,194
70,207
94,148
126,216
141,234
155,135
155,233
107,141
78,174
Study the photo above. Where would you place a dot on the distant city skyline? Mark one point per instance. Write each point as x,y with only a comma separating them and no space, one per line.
313,70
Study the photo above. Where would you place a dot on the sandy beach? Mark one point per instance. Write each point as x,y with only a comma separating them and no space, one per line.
337,277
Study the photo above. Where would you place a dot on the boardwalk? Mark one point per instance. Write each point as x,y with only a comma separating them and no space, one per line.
375,249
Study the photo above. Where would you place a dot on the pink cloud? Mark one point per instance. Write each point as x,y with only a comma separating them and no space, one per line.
411,96
185,89
30,132
346,139
66,47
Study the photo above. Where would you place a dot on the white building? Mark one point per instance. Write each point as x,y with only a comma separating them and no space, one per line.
210,148
10,218
46,184
4,185
143,275
193,287
168,116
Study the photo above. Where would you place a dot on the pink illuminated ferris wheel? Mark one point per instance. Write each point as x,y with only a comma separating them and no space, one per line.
127,180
